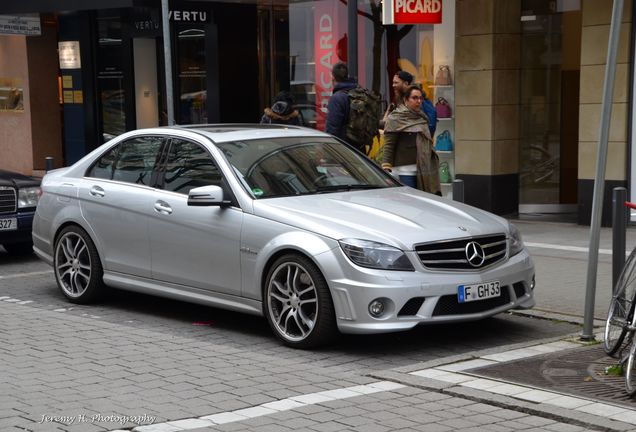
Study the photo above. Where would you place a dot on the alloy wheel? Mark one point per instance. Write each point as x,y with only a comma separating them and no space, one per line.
73,264
293,301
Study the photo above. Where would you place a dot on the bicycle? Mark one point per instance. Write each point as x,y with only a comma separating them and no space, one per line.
621,320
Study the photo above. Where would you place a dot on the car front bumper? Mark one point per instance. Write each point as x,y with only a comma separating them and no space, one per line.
423,296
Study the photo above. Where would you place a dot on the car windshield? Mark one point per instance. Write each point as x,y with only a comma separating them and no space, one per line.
278,167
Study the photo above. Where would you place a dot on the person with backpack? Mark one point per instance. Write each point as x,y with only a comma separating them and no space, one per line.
338,106
407,139
352,111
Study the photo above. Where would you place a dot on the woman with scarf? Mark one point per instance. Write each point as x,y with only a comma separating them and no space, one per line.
407,139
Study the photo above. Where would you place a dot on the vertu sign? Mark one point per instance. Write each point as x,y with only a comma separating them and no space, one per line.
412,12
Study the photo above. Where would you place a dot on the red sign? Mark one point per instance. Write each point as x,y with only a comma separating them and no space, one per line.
326,43
417,11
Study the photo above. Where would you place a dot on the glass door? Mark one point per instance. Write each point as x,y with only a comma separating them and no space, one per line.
549,83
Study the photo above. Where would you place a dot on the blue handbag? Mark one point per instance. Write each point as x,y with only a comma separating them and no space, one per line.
443,142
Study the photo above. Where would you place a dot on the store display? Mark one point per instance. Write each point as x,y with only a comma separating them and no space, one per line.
443,76
443,109
443,142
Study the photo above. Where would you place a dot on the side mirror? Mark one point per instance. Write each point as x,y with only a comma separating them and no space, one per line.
206,196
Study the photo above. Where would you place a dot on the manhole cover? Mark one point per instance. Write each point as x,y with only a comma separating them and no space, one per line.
579,372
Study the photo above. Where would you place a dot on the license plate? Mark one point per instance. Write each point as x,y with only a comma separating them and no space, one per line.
482,291
8,224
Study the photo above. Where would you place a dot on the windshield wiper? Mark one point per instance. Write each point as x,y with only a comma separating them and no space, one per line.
346,187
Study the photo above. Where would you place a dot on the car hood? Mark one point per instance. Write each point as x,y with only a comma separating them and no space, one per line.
13,179
399,216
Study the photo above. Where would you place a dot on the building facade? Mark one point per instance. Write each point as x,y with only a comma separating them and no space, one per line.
524,89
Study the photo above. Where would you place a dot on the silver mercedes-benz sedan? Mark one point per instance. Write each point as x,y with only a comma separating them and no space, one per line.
286,222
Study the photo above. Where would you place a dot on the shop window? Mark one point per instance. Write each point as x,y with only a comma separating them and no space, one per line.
192,104
110,75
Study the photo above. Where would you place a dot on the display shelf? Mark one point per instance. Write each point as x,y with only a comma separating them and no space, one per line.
444,152
445,118
441,86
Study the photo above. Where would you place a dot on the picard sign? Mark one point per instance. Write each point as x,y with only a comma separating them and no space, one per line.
412,12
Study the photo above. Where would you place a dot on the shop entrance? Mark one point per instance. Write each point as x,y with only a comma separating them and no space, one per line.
549,95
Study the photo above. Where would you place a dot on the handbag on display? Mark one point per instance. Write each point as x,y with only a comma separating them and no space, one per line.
442,108
444,173
443,142
443,76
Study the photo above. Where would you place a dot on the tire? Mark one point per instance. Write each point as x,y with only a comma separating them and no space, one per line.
297,303
622,307
19,248
630,372
78,270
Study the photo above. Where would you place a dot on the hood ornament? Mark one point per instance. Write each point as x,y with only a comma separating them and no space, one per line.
462,228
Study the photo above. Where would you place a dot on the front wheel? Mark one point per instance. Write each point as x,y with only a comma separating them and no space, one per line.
630,373
297,303
622,306
78,270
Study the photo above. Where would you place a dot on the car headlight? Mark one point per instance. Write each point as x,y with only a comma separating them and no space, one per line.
375,255
516,243
28,197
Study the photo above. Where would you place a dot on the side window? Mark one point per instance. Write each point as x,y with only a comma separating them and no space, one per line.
189,166
132,161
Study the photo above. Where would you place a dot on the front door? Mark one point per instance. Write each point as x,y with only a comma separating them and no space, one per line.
194,246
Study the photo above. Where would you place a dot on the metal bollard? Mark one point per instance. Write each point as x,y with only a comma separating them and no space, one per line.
48,163
620,218
458,190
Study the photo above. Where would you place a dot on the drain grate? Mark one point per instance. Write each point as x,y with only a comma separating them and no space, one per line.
578,372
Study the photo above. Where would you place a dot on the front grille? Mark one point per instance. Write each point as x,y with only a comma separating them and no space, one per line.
8,200
412,306
451,254
448,304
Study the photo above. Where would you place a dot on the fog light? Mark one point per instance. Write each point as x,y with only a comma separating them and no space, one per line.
532,284
376,308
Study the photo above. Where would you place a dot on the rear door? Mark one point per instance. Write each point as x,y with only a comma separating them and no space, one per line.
194,246
116,199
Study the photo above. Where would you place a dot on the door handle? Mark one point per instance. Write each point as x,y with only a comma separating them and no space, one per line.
97,191
163,207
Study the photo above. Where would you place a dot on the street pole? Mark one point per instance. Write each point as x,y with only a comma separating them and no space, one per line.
601,162
352,42
167,59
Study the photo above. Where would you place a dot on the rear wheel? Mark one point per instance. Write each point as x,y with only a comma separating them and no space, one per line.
78,270
622,306
297,303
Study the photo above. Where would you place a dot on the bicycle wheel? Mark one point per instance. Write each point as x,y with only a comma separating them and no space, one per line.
622,306
630,371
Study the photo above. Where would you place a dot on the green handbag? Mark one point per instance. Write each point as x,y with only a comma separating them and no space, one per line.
444,173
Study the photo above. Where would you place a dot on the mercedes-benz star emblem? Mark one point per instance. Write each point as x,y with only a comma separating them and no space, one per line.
475,254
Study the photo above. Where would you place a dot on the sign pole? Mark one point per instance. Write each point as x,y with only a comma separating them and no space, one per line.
601,162
167,60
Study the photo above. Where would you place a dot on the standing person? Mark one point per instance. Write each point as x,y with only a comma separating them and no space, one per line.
401,81
407,139
338,106
282,111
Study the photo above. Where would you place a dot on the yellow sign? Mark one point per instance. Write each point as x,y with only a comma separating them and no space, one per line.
78,97
68,96
67,81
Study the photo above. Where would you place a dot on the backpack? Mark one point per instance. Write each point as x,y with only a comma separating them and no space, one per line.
364,117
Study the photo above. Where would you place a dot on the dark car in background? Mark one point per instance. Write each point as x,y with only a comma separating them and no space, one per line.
19,196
